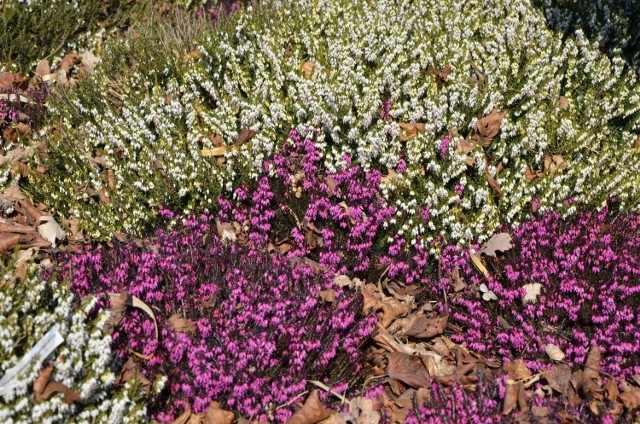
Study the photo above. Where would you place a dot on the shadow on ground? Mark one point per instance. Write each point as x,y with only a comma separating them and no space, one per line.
615,24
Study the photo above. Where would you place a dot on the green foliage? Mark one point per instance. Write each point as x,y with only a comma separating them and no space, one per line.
43,29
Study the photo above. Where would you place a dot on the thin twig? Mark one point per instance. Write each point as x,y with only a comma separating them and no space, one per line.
328,389
296,397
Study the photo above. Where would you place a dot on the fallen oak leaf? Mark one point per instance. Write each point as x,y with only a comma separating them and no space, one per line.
312,412
500,242
630,399
8,241
119,302
216,415
611,390
181,325
517,370
515,396
50,230
69,395
590,381
43,388
532,291
488,127
328,296
559,378
410,131
245,135
440,75
68,61
553,164
563,102
425,327
307,69
407,369
458,282
183,418
131,371
554,352
493,183
43,68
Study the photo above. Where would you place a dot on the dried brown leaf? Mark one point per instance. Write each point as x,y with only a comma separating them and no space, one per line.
70,396
117,310
515,396
410,131
131,371
631,399
12,194
563,102
554,352
530,174
307,69
493,183
488,127
29,210
441,75
466,146
217,415
43,68
458,282
611,390
68,61
9,80
500,242
425,327
181,325
361,411
591,382
312,412
553,164
184,417
407,369
517,370
328,296
391,309
41,381
245,135
8,241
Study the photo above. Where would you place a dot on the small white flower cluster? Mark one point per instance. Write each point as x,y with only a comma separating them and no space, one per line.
29,309
564,98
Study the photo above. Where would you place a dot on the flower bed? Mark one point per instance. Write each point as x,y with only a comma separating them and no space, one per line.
136,133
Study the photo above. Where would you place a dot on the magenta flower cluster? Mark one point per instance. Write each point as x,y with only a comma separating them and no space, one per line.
260,329
588,271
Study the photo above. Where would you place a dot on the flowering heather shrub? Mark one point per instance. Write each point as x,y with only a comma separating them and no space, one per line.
483,403
259,326
612,23
29,309
151,122
589,271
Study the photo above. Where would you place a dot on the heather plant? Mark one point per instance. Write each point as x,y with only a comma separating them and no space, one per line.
29,309
297,65
612,23
587,272
237,325
483,403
